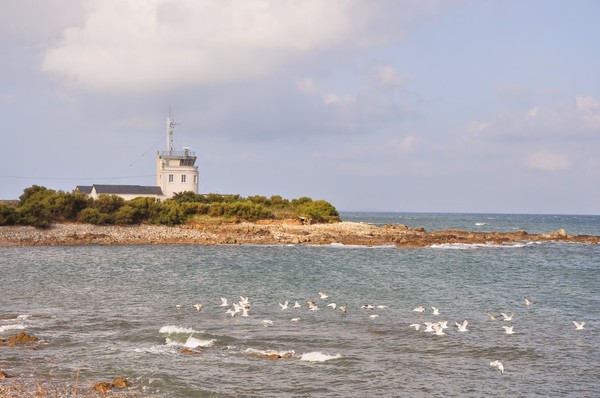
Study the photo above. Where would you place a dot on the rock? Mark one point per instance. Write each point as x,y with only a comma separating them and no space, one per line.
121,382
187,351
103,387
4,375
21,338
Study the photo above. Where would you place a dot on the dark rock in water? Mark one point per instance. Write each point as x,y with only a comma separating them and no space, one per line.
20,338
4,375
187,351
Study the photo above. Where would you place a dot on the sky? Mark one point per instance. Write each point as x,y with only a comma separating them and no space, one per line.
382,105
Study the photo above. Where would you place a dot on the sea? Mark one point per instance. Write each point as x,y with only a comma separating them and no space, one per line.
128,311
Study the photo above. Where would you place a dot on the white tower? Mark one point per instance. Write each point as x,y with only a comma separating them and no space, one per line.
176,170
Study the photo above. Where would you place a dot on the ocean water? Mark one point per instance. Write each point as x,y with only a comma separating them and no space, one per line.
110,311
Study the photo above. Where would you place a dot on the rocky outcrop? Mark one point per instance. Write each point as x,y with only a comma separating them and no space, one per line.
347,233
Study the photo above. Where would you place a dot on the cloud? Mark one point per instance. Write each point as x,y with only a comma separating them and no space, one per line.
574,116
546,160
154,45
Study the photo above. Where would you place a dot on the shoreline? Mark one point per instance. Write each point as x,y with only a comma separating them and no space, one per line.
285,233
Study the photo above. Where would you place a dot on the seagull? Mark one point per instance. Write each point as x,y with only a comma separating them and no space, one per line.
295,319
224,302
367,306
436,311
314,308
498,365
428,326
492,316
267,322
344,309
415,325
332,305
382,307
236,307
439,330
178,306
419,309
297,305
508,329
231,312
373,316
198,307
507,317
579,325
244,300
462,327
526,301
245,311
311,303
323,295
284,306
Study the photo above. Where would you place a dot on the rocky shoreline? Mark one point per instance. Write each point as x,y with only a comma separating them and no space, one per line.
347,233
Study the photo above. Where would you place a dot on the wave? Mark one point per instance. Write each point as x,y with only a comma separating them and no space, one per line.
318,356
472,246
342,245
11,327
479,224
171,329
269,353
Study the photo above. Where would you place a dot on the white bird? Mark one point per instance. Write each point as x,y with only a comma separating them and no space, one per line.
498,365
284,306
311,303
439,330
236,307
443,324
295,319
436,311
245,311
428,326
415,325
198,307
367,306
267,322
507,317
244,300
231,312
508,329
527,302
373,316
297,305
492,316
323,295
343,309
579,325
419,309
462,327
224,302
178,306
332,305
382,307
314,308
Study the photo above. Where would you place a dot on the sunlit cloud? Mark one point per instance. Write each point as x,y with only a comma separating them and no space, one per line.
546,160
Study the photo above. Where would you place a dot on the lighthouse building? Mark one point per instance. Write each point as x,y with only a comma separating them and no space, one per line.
176,172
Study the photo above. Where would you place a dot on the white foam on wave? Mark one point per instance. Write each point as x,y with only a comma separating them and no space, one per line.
286,354
171,329
472,246
318,356
193,342
341,245
11,327
479,224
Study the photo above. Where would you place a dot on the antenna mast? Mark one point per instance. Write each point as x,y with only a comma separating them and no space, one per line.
170,129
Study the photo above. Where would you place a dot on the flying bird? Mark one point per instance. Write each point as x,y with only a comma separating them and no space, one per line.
579,325
323,295
284,306
507,317
224,302
462,327
198,307
508,329
332,305
419,309
498,365
527,301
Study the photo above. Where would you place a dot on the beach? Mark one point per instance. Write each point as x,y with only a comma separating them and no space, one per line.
286,232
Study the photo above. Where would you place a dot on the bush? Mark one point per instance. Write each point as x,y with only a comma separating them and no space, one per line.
8,215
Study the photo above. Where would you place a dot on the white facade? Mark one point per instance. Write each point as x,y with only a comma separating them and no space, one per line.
176,170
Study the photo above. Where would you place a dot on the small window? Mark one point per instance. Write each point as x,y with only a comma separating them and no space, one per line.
170,177
183,178
195,179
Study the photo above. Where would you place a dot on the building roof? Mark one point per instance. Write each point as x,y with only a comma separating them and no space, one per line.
84,188
126,190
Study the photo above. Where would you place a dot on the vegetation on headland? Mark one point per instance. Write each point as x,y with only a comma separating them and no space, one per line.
39,206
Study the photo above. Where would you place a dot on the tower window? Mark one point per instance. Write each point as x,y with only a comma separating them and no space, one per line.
170,177
195,179
183,178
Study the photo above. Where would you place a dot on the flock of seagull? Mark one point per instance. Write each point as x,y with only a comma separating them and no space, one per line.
242,308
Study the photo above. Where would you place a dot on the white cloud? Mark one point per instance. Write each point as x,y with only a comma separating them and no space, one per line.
388,76
148,45
546,160
578,115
